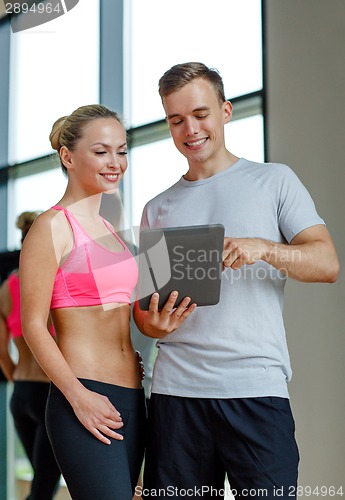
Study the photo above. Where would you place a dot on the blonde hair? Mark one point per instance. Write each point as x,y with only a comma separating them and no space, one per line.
67,130
25,220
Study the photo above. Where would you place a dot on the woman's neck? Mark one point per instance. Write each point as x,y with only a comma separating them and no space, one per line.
82,206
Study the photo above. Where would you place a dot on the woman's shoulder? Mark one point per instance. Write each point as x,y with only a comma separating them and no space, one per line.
49,231
49,220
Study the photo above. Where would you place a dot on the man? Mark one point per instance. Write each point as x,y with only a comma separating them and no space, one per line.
220,402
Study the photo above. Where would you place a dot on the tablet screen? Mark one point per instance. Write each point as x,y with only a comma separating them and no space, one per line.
187,259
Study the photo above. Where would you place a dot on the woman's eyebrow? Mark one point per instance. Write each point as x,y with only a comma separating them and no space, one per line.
108,146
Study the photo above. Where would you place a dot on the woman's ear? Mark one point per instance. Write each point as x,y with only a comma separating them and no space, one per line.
65,157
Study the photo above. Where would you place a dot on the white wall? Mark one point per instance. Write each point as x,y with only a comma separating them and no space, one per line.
306,129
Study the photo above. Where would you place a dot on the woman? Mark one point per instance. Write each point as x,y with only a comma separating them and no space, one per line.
31,385
74,267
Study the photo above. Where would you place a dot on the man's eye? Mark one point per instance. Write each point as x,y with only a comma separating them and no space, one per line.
176,123
122,153
200,117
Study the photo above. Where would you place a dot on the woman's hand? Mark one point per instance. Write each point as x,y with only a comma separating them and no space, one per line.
98,416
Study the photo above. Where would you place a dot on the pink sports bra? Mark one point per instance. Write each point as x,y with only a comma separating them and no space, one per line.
13,320
93,275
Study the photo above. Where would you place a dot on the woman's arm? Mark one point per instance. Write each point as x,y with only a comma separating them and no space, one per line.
6,363
42,251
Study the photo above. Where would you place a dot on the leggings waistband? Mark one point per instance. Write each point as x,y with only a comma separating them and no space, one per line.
129,397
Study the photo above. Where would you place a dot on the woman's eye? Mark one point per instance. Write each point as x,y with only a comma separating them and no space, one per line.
101,152
122,153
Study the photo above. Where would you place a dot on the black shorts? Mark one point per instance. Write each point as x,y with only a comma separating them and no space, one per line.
93,470
193,442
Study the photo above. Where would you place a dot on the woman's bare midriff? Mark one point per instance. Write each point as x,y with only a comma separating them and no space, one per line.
96,343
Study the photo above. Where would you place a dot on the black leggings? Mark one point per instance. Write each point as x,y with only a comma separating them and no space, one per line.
27,405
92,469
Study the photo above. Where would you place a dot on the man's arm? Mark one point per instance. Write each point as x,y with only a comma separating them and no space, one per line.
310,257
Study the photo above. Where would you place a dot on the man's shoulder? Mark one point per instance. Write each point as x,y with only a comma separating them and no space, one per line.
267,171
269,167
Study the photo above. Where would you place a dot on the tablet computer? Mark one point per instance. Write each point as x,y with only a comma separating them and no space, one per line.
187,259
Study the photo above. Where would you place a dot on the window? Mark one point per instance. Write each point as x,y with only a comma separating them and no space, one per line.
35,192
226,35
54,69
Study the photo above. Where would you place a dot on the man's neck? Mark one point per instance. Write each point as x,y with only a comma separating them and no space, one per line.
198,171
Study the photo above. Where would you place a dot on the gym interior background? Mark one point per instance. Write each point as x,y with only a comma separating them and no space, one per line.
283,69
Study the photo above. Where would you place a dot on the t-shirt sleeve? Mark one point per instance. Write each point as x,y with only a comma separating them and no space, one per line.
144,223
296,209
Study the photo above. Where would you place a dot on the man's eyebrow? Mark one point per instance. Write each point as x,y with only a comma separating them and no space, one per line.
196,110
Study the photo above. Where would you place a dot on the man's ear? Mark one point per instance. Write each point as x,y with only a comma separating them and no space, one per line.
66,157
227,109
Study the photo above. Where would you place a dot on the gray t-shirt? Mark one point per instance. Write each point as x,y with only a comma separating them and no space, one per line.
237,348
